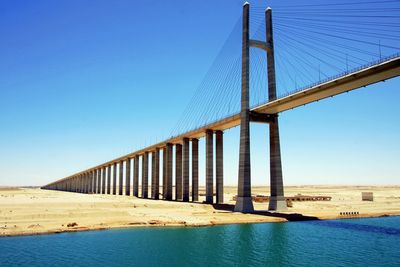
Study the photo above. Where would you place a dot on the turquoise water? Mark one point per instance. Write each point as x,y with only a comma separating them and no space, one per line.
356,242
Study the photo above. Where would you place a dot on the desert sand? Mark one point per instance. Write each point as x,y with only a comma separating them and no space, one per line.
27,211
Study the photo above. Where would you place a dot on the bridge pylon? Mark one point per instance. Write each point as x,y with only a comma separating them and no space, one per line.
244,200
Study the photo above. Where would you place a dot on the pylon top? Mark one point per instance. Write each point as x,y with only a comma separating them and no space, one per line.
268,8
246,3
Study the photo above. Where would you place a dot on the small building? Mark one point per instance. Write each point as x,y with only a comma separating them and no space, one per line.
367,196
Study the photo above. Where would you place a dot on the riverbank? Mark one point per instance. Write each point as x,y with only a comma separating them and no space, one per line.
29,211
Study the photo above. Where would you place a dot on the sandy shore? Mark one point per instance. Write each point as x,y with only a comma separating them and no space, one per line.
35,211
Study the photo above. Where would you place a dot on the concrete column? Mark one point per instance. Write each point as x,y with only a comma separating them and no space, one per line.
185,169
109,179
195,170
94,182
145,175
209,166
244,202
98,189
277,200
164,188
121,178
168,177
219,166
87,183
152,177
90,182
155,184
114,185
81,183
82,186
103,180
178,172
84,177
136,177
128,177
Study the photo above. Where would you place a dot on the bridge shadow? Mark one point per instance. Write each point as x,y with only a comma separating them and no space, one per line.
288,216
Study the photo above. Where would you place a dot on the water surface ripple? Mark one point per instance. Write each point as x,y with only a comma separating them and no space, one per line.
357,242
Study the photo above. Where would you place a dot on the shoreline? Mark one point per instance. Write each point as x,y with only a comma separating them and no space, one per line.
32,211
177,225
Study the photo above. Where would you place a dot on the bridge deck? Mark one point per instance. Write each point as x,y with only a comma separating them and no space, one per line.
360,78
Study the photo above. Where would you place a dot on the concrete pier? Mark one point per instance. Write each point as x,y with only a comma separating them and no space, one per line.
277,200
168,177
178,172
219,166
103,180
98,188
121,178
155,174
82,183
164,177
145,175
195,169
82,187
78,184
136,177
128,177
85,183
109,179
185,169
114,182
243,201
88,182
209,167
91,182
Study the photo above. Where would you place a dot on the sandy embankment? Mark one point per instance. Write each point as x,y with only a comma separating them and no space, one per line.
35,211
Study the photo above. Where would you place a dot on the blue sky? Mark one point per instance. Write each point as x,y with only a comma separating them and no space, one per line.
83,82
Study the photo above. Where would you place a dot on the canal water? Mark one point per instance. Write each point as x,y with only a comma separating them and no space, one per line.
353,242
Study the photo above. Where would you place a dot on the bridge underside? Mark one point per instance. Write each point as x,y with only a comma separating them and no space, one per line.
98,179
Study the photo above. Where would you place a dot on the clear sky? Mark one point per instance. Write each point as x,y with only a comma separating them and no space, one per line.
82,82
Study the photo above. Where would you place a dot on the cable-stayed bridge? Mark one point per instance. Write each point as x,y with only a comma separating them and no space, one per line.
304,43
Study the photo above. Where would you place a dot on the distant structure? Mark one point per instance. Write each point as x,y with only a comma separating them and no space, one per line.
102,179
367,196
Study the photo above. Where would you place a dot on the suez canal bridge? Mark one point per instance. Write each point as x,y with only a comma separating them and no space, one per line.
97,180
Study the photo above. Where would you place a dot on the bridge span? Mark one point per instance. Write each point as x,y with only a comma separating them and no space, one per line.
98,178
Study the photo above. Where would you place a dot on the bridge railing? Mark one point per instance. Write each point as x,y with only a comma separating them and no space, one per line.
331,78
344,73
